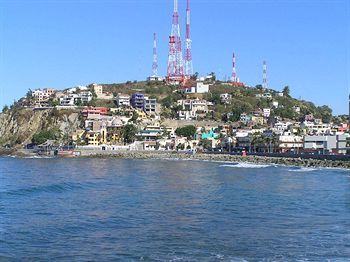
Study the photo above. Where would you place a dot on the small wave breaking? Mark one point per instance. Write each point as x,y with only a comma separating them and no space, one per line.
246,165
303,169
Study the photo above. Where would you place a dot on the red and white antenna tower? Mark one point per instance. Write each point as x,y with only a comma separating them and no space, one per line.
155,57
264,84
175,73
188,55
234,74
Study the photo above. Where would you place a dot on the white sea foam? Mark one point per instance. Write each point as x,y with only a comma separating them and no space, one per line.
247,165
303,169
38,157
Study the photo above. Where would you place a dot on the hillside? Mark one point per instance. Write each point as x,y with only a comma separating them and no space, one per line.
19,124
244,100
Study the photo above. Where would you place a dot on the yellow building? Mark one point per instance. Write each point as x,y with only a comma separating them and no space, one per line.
258,120
103,133
141,114
92,138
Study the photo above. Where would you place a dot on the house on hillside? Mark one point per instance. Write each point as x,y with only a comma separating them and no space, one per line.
122,100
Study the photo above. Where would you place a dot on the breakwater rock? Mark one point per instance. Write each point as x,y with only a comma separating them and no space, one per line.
219,157
7,151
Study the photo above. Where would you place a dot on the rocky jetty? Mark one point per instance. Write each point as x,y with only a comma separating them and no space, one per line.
220,157
199,156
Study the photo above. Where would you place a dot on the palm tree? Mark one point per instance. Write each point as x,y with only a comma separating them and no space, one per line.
255,141
274,141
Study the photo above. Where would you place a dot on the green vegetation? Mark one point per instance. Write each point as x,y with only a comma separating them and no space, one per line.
129,133
286,91
244,100
206,144
186,131
134,118
5,109
44,135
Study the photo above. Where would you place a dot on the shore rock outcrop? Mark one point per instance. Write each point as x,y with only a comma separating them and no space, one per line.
17,127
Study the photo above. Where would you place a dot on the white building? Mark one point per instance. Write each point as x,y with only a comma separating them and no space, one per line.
43,96
155,78
200,88
85,96
122,100
326,144
187,115
76,89
150,105
266,112
281,127
69,100
195,105
225,98
317,129
275,104
289,142
265,95
74,99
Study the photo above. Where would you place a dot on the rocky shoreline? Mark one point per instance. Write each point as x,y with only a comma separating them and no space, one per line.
223,158
199,156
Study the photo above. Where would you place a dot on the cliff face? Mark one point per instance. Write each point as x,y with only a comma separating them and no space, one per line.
18,126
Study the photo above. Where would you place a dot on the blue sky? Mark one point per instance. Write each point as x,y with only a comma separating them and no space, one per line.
66,43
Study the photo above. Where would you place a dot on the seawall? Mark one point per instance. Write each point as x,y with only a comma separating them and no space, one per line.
218,157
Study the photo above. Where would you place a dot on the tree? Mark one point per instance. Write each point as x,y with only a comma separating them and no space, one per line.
256,140
5,109
44,135
52,102
213,76
175,110
215,98
78,102
325,113
29,94
206,144
129,133
187,131
180,147
286,91
134,117
195,76
285,112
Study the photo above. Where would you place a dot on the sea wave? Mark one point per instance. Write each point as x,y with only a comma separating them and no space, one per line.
30,157
53,188
247,165
38,157
303,169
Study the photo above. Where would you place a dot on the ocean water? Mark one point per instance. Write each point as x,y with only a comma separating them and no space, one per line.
163,210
